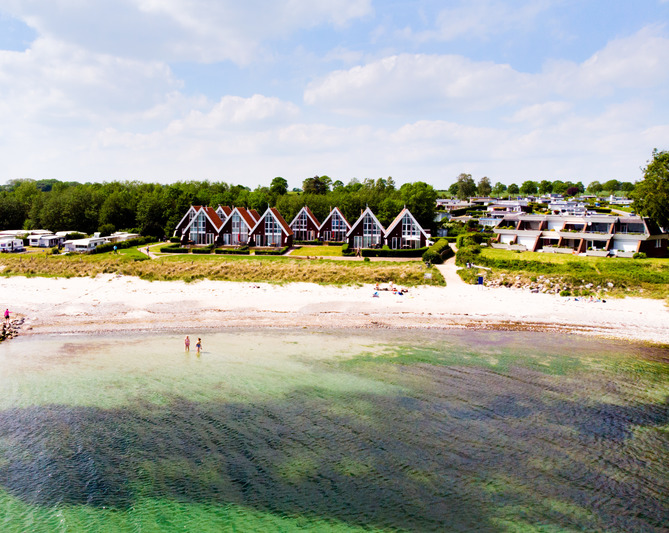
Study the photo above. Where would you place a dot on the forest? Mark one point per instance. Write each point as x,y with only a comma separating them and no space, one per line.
155,209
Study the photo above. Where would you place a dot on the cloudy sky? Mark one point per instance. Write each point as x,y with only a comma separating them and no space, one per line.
166,90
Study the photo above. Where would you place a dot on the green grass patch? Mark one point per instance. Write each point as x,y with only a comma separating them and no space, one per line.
318,251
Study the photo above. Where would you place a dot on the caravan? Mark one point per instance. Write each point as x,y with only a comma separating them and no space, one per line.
11,245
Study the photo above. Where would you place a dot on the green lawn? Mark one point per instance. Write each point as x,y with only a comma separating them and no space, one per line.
320,251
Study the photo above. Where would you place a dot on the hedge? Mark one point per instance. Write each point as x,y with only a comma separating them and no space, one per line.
175,239
388,252
279,251
438,252
468,239
174,249
315,242
232,251
109,246
347,250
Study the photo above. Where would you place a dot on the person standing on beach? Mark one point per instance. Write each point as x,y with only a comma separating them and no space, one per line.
7,316
198,346
187,343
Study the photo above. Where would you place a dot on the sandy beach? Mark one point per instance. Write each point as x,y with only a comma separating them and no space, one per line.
119,303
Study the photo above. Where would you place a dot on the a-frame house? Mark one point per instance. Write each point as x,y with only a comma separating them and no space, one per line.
200,225
405,232
366,232
271,230
237,228
334,228
305,225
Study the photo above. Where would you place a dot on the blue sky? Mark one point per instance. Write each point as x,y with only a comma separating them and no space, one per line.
166,90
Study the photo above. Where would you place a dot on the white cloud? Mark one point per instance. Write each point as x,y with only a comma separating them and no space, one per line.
480,19
180,30
409,83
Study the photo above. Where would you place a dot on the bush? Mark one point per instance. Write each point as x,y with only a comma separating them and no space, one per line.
174,249
367,259
74,236
347,250
54,250
467,254
468,239
175,239
639,255
232,251
438,252
109,246
314,242
386,251
279,251
205,250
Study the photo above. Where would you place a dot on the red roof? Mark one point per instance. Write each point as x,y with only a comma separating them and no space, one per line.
254,214
277,215
246,215
213,216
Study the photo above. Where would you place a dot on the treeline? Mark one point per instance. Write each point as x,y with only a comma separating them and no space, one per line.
465,186
155,209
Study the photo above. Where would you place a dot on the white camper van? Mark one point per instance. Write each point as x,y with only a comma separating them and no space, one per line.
11,245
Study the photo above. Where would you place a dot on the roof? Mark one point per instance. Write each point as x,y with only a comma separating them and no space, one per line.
309,214
227,211
209,213
254,214
330,215
284,226
244,215
362,216
399,217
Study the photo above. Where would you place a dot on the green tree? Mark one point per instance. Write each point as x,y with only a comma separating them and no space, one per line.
499,189
278,187
529,187
484,188
545,187
513,189
651,194
595,187
421,199
316,185
611,186
466,186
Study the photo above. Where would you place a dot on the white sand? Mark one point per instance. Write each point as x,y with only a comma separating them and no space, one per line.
113,303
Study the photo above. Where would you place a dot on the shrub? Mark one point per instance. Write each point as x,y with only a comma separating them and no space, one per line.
279,251
468,239
74,236
386,251
173,249
175,239
438,252
367,259
205,250
639,255
314,242
347,250
232,251
565,292
109,246
54,250
467,254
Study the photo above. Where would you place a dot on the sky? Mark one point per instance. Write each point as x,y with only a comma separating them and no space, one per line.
242,92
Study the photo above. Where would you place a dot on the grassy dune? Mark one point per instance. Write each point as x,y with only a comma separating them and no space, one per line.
620,276
225,268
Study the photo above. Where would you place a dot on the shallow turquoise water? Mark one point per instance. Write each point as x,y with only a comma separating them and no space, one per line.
290,430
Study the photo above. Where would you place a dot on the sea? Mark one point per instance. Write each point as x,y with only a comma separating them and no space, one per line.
302,430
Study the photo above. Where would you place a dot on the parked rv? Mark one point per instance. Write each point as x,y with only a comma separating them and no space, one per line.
11,245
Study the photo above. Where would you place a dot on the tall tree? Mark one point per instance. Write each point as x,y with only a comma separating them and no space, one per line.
513,189
545,187
484,188
651,194
466,186
499,189
529,187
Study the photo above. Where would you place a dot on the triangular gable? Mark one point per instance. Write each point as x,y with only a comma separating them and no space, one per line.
210,214
399,218
286,229
309,214
362,217
225,210
245,216
348,226
191,208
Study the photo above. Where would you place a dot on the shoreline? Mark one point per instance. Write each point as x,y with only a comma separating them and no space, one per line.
110,303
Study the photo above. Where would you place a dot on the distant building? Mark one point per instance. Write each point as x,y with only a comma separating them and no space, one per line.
405,232
200,225
591,235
